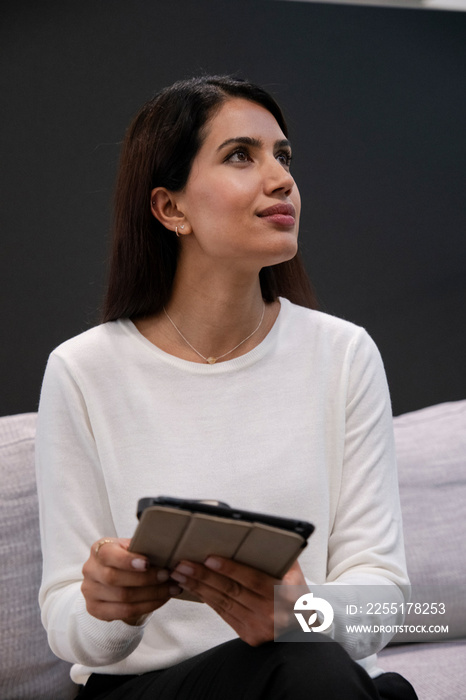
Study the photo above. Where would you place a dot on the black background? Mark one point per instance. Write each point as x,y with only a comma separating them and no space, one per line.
376,104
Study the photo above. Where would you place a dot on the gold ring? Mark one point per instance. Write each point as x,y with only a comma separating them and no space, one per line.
100,543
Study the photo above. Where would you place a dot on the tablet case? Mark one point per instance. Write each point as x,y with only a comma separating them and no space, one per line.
166,535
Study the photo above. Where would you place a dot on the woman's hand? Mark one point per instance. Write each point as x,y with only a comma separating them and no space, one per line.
241,595
121,585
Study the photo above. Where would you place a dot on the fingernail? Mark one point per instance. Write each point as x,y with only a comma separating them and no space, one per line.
185,569
178,577
213,563
162,576
139,564
174,590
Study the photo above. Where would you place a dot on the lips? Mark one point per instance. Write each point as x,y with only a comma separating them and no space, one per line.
285,209
279,214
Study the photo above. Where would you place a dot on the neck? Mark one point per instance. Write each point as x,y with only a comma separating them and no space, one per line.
215,313
215,309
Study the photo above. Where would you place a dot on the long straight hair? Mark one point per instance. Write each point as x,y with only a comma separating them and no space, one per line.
158,150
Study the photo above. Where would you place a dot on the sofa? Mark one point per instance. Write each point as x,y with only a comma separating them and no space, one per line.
431,455
431,449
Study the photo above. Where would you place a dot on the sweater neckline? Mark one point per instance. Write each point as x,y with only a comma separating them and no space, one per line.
236,363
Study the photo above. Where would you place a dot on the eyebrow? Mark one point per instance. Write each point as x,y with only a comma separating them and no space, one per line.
255,143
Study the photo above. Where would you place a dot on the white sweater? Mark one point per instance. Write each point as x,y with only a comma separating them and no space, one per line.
299,427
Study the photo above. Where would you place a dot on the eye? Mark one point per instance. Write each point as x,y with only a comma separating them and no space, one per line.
239,155
284,157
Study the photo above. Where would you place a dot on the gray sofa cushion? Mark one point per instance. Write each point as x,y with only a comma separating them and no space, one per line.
28,669
436,671
431,453
431,449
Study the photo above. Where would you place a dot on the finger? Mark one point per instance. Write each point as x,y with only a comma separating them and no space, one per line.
225,596
252,578
111,564
249,614
130,613
111,576
130,595
247,576
215,589
114,552
294,576
128,604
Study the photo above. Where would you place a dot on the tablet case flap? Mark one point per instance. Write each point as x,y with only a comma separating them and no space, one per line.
158,531
270,549
206,535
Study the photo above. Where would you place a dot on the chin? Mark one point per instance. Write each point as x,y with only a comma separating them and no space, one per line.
282,251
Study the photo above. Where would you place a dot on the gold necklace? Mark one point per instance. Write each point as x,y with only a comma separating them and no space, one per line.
212,360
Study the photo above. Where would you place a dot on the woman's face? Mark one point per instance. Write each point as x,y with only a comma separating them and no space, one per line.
240,201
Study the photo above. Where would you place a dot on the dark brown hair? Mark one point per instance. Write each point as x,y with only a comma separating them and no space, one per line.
159,148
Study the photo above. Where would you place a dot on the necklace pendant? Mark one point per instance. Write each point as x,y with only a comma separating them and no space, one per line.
212,360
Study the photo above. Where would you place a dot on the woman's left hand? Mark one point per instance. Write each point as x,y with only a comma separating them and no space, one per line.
241,595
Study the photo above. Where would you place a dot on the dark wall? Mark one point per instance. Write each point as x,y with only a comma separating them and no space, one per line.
376,103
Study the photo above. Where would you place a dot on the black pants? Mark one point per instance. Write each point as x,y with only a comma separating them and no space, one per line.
274,671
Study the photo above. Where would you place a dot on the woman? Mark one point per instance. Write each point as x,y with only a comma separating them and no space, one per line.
212,377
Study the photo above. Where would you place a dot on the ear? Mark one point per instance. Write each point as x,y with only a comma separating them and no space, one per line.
163,206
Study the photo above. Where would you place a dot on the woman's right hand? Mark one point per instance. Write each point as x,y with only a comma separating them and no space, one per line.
121,585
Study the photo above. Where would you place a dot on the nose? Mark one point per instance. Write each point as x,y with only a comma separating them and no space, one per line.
278,178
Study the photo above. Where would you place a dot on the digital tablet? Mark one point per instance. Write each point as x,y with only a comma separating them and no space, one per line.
171,529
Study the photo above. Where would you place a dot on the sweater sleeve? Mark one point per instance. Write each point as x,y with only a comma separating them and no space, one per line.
74,512
365,548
